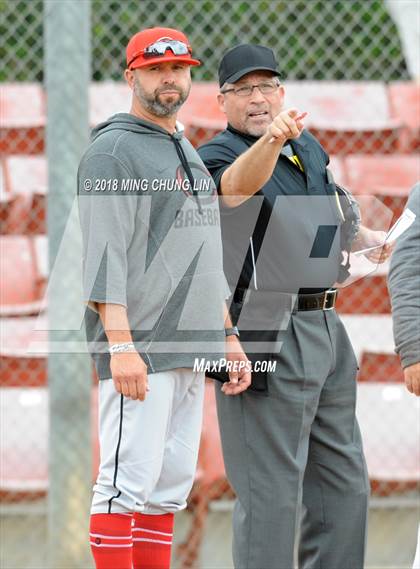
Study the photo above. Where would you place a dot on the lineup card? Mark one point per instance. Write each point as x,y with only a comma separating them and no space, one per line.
399,227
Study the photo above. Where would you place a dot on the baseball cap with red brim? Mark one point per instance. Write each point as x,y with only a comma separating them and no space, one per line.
159,45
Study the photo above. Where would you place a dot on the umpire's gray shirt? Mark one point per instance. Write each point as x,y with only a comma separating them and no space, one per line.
151,244
404,287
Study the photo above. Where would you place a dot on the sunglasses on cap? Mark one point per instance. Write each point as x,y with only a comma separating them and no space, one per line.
158,49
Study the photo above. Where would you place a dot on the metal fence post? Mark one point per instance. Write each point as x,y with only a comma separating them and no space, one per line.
67,66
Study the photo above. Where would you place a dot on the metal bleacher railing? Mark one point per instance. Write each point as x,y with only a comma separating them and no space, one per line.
343,63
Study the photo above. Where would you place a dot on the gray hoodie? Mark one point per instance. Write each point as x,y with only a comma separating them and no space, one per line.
404,287
151,244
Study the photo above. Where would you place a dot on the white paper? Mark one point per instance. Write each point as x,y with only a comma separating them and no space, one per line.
400,226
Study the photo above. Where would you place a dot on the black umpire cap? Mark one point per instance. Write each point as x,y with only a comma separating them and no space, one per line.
244,58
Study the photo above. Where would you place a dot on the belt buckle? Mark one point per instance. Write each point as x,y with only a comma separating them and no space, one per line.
326,297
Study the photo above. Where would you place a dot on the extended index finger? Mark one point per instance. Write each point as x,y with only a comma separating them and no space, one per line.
301,117
296,119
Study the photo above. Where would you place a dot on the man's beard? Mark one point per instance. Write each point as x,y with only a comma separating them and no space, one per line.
157,107
257,131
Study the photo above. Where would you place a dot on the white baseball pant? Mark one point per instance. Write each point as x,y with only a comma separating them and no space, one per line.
149,448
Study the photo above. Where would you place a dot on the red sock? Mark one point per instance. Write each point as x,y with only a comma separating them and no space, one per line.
110,541
152,539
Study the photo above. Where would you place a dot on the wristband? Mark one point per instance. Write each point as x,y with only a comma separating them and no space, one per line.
120,348
232,331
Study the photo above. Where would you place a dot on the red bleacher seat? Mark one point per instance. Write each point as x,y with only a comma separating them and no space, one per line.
346,116
369,295
13,211
405,106
23,349
13,208
108,98
365,291
382,175
369,332
26,179
25,272
388,419
201,115
24,451
389,178
380,367
22,118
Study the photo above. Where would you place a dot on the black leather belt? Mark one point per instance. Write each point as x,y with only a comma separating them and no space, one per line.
319,301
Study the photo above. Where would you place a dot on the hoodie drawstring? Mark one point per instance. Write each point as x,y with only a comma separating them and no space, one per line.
186,166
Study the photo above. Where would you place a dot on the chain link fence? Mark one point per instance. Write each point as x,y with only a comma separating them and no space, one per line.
346,63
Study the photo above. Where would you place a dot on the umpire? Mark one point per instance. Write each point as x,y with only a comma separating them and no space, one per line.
293,438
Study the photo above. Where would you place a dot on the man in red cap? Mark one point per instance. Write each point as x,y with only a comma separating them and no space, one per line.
155,288
152,52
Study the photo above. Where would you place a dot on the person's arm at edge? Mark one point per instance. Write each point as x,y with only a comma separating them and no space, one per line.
405,297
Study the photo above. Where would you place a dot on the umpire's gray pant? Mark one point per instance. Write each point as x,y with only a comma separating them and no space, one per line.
300,444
